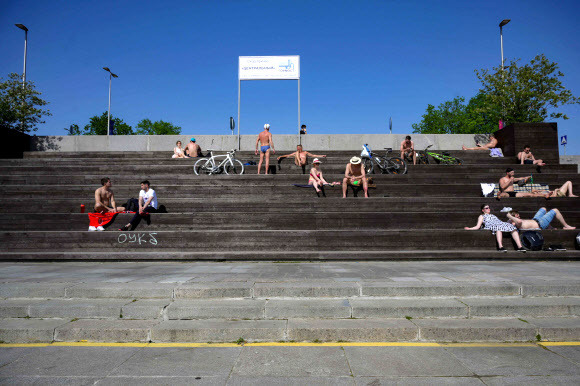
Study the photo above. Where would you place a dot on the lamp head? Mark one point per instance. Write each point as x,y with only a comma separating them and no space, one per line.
106,69
22,27
114,75
504,22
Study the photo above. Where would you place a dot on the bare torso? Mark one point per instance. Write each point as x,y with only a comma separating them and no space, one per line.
407,146
265,138
510,184
525,156
104,196
193,149
529,224
354,171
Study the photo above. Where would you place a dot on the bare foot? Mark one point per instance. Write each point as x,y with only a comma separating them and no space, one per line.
463,147
569,227
572,195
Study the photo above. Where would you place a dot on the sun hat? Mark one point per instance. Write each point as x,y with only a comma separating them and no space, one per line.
267,126
192,139
316,161
355,160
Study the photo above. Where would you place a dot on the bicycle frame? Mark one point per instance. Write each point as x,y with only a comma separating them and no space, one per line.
228,158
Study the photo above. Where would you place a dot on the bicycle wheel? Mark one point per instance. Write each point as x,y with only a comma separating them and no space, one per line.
202,167
423,159
368,165
236,168
395,165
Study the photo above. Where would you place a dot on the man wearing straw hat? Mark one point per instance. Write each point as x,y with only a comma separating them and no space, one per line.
354,175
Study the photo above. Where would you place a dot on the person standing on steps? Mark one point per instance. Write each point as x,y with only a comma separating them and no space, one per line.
266,144
147,204
354,175
497,227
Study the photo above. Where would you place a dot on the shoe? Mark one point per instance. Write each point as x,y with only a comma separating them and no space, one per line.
124,228
506,209
557,247
502,249
522,249
100,228
92,228
548,249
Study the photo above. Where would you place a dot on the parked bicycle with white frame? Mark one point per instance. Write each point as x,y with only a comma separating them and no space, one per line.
229,164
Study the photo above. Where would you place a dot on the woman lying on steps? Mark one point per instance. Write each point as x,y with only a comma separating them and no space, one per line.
497,227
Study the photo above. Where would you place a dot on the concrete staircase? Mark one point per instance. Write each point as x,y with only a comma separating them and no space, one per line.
289,311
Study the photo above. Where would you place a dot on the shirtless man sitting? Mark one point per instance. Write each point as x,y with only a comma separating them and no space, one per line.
192,150
265,141
105,199
490,145
506,186
541,219
300,157
354,175
526,157
408,150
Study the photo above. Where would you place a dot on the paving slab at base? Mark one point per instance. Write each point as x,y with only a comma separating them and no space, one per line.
29,330
557,329
212,330
105,331
475,330
352,330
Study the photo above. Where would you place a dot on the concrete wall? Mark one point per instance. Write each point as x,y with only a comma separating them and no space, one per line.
228,142
570,159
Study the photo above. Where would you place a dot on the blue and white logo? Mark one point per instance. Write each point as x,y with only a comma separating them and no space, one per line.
563,140
287,67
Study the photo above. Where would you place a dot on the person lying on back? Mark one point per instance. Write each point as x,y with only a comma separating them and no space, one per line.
541,219
490,145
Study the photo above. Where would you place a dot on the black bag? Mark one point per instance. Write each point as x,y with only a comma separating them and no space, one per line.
532,240
132,205
578,241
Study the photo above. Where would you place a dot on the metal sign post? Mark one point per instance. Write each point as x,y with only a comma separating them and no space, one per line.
268,68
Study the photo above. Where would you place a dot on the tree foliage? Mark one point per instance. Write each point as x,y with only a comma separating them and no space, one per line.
529,93
157,128
98,126
21,108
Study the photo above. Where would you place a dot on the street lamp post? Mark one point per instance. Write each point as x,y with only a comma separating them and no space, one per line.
111,76
23,27
503,22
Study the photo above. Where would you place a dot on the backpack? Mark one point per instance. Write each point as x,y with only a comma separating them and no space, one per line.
532,240
132,205
578,241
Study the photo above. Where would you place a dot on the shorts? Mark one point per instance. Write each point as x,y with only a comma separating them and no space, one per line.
265,148
528,162
544,219
511,194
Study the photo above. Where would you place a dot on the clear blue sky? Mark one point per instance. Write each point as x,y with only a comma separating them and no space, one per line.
361,61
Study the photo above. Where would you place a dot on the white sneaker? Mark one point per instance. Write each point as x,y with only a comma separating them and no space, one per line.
506,209
100,228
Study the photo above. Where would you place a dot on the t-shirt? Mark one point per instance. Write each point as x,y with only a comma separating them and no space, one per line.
146,195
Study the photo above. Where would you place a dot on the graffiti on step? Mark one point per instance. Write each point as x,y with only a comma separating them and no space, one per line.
137,238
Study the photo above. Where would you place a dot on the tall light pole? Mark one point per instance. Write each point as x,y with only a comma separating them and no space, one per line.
23,27
111,76
503,22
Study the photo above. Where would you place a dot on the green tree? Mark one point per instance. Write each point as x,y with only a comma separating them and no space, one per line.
98,126
21,108
528,93
157,128
456,117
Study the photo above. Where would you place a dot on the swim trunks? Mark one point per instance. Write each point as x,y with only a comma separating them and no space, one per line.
265,148
528,162
511,194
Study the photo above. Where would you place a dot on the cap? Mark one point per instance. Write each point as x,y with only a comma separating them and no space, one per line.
267,126
355,160
316,161
192,139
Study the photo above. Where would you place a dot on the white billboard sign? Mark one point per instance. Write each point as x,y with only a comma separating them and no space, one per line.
268,67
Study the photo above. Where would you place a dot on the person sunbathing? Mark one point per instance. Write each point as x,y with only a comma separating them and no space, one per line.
563,191
490,145
300,157
526,157
178,151
497,227
541,219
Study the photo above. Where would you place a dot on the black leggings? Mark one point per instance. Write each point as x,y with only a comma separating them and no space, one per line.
137,217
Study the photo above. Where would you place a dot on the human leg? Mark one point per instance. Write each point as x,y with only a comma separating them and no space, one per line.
365,187
315,184
260,162
516,237
344,186
566,189
267,161
560,218
499,239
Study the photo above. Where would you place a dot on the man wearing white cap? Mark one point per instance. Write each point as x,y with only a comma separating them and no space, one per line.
354,175
266,144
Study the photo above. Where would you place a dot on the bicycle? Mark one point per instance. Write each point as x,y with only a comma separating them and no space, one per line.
441,158
391,165
229,165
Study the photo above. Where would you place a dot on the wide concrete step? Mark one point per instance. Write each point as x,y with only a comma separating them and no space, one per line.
309,255
306,203
17,330
349,219
258,309
302,289
275,241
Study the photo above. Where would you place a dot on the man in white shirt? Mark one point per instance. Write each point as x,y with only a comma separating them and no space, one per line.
147,204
